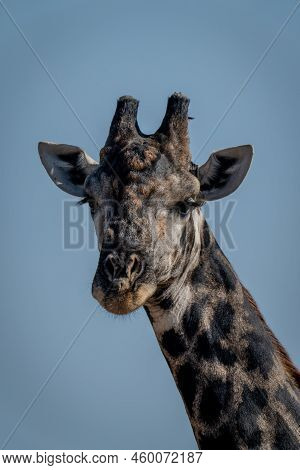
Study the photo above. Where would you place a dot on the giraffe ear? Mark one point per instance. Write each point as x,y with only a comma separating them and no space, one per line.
67,165
223,172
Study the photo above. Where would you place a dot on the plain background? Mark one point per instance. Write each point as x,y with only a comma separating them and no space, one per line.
114,389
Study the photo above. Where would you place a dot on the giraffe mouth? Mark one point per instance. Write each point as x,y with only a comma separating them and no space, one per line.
121,302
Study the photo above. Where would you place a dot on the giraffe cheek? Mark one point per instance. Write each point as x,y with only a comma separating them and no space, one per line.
99,295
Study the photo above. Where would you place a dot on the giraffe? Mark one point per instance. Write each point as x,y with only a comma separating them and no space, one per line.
238,384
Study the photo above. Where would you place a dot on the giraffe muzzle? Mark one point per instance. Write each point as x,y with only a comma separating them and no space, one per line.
122,272
122,283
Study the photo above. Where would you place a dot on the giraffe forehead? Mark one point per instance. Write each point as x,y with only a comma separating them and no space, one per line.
140,179
137,155
141,187
161,190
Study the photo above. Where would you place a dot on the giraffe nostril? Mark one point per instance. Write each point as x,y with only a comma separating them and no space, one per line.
134,267
110,266
117,270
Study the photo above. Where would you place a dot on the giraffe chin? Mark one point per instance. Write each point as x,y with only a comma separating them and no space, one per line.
124,302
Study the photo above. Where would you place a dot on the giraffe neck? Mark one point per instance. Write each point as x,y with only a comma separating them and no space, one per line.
236,390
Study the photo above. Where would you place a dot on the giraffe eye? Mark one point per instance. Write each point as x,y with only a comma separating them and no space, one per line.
183,208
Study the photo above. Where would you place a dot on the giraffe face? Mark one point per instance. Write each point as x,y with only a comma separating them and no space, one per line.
144,210
144,197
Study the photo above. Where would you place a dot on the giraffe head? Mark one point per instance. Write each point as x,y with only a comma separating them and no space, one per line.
144,196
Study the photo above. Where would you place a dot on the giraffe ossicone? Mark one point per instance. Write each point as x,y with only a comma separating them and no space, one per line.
238,384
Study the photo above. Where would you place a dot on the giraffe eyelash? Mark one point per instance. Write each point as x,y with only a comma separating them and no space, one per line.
194,203
85,200
91,202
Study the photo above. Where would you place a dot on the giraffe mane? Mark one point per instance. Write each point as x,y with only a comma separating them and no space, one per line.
292,371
